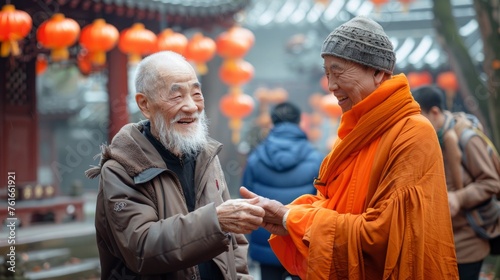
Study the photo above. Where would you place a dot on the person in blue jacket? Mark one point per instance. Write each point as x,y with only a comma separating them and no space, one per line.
282,167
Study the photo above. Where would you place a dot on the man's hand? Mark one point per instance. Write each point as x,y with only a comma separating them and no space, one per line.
240,215
454,204
273,219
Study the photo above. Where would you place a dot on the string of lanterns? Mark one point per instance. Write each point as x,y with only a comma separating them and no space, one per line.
232,45
58,33
447,80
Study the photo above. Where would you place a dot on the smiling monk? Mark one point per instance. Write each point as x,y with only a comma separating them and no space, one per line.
381,211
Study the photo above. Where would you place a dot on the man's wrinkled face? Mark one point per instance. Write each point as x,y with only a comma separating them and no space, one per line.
350,82
177,112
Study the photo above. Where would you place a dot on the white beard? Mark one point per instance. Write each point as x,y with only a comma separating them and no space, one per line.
188,143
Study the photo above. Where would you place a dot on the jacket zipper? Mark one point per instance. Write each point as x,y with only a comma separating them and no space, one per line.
164,202
211,158
179,188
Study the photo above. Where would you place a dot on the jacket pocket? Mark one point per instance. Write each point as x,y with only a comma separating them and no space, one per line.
221,261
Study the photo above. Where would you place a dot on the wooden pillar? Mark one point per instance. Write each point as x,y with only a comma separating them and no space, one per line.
118,91
18,121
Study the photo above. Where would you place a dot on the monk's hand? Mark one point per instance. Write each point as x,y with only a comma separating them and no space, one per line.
245,193
240,215
453,203
275,210
275,228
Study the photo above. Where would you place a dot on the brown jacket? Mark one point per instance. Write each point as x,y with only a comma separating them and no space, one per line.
143,227
480,183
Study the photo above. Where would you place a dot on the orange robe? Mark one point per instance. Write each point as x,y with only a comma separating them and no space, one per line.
381,211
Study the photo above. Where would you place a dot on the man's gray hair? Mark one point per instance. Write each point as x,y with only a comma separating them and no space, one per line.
148,79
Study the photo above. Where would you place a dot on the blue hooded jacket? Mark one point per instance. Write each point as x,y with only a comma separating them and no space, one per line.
282,167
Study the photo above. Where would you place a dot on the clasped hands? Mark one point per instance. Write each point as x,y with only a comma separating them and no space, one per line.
251,212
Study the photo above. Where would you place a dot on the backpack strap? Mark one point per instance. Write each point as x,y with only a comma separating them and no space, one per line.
473,119
464,138
491,147
449,123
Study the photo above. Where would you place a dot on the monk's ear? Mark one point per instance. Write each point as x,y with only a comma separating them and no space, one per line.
143,103
378,76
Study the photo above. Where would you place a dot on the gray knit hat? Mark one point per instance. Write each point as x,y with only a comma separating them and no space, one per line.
361,40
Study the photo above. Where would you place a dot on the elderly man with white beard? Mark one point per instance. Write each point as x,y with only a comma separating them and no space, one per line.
163,207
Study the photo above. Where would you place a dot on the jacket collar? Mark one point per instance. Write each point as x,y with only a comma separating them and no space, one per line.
140,159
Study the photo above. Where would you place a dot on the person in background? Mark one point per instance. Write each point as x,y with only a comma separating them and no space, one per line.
163,207
282,167
478,178
381,211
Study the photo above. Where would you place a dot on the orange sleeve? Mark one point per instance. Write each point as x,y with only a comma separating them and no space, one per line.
404,233
290,249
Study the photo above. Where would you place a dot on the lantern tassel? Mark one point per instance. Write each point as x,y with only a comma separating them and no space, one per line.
235,126
59,54
5,49
134,58
201,68
235,90
10,46
14,48
98,57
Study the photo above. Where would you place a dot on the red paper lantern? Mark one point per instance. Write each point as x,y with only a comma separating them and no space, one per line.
84,62
235,42
447,81
322,2
378,4
137,41
14,26
315,100
329,105
406,4
277,95
236,105
418,79
98,38
41,64
57,34
168,40
314,134
236,72
200,49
